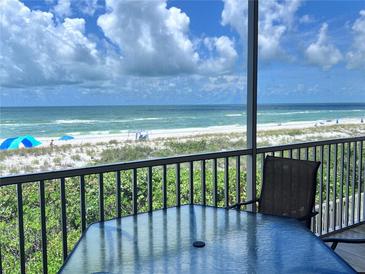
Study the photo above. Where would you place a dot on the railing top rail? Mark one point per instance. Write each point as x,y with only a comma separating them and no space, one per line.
310,144
50,175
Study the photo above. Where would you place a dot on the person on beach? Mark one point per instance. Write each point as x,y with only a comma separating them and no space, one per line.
51,143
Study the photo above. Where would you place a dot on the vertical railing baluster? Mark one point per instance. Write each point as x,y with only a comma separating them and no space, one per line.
238,179
290,153
82,203
64,219
281,153
164,187
101,197
149,189
328,188
215,182
359,184
348,159
321,191
191,183
314,219
21,227
314,153
134,191
118,194
262,167
363,198
1,261
203,183
341,181
178,194
335,188
306,153
353,183
226,182
42,205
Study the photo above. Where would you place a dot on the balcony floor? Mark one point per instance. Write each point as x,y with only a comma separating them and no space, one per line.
354,254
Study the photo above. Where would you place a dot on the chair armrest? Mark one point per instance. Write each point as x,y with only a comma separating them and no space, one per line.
242,203
335,241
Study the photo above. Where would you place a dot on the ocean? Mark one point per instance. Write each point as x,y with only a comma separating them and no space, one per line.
93,120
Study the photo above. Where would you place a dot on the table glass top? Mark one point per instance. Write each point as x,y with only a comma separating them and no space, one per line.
235,242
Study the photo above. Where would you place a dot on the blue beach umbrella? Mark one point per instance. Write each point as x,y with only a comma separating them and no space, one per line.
13,143
66,138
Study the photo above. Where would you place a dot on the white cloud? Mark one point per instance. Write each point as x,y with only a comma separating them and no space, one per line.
322,52
275,19
63,8
87,6
234,14
36,51
154,40
225,83
356,56
147,39
306,19
226,55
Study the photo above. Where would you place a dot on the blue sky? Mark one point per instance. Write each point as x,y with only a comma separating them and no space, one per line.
91,52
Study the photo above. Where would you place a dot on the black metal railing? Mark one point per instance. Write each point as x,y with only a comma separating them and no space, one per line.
107,191
340,197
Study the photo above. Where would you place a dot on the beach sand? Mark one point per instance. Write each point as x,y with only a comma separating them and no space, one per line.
101,149
191,132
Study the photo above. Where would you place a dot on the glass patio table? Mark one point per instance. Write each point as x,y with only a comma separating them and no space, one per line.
235,242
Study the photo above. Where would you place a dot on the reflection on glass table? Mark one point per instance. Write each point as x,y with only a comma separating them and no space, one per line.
235,242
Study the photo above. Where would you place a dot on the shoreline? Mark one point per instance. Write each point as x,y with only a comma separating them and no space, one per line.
90,150
191,132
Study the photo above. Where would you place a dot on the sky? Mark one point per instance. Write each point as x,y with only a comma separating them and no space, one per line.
116,52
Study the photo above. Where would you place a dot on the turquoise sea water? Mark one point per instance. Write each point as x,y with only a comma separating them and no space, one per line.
84,120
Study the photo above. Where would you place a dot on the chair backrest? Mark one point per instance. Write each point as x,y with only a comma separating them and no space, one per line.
289,187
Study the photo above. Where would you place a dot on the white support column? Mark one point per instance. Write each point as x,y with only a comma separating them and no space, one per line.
252,60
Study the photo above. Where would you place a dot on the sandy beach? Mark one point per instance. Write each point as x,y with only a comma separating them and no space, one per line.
191,132
86,150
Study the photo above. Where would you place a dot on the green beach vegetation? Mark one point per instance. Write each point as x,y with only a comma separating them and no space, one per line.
46,158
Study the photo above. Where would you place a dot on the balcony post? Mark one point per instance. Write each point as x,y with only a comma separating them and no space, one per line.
252,60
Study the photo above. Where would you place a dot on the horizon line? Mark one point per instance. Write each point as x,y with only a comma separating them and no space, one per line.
205,104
